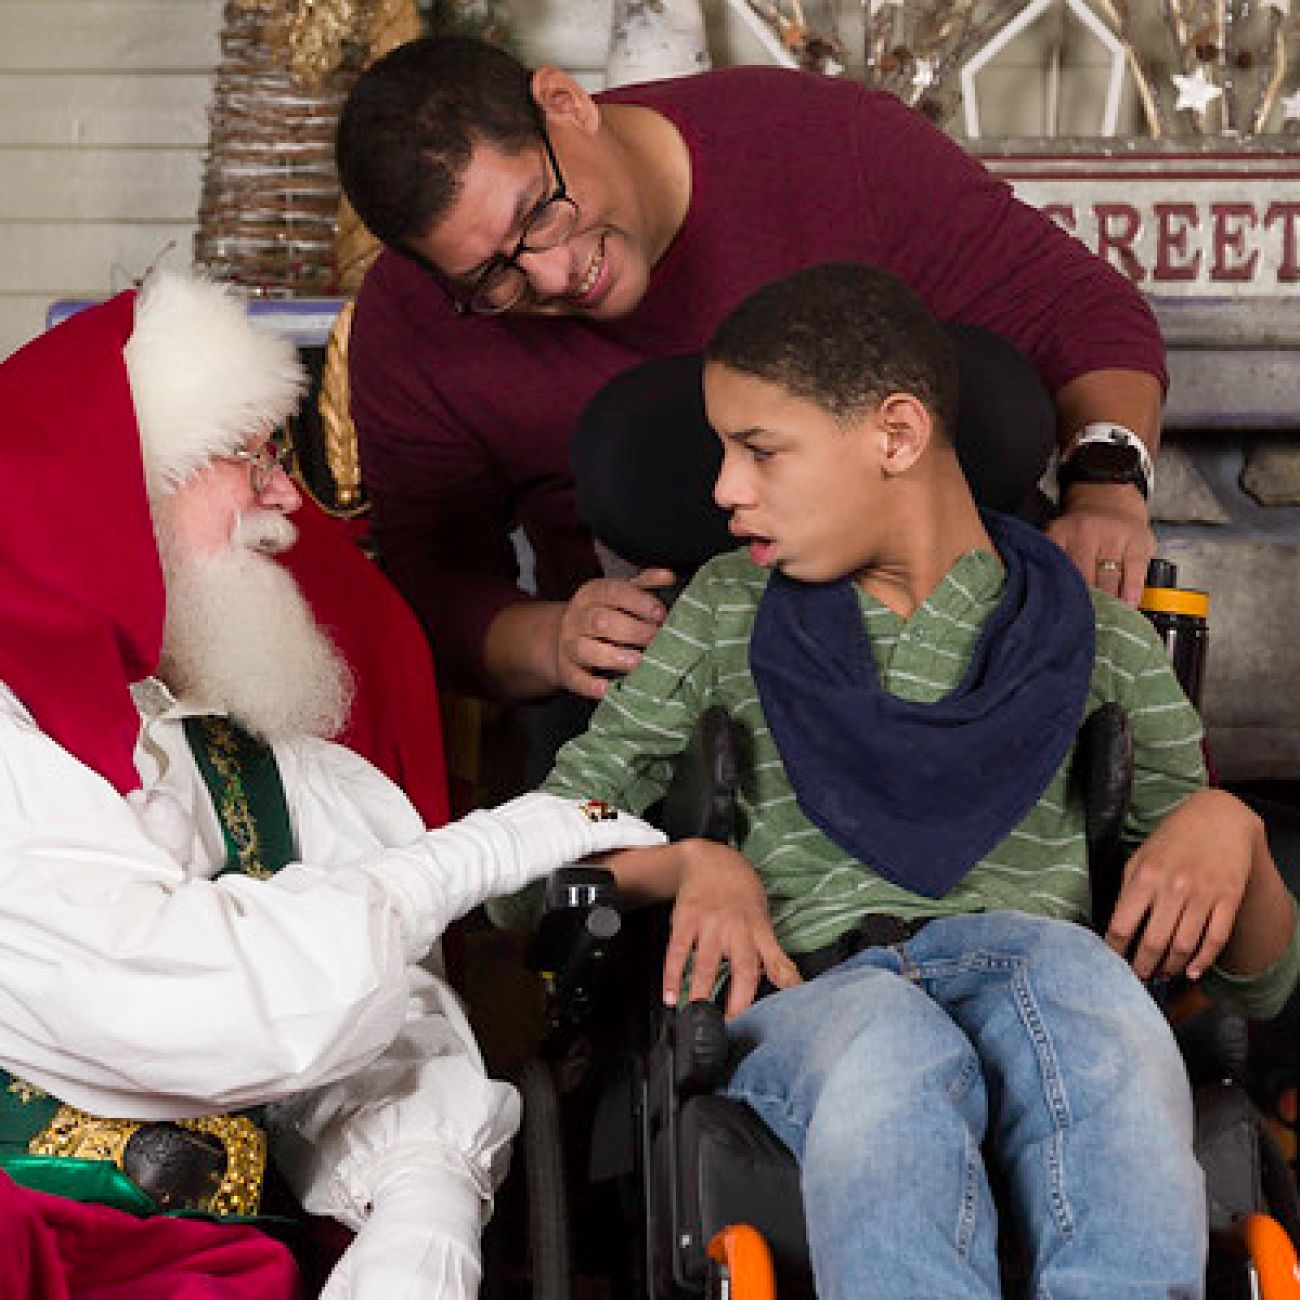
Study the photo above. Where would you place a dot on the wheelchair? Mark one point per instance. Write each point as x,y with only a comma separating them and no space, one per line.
623,1131
706,1198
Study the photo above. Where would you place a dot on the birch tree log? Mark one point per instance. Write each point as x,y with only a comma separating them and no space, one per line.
653,39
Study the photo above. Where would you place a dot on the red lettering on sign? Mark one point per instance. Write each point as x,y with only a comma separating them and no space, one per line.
1231,222
1174,222
1062,214
1289,213
1117,227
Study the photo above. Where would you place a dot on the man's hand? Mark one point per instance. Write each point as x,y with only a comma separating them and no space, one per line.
1182,889
604,629
721,913
1106,530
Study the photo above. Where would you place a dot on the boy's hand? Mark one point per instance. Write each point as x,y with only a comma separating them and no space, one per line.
721,912
1183,887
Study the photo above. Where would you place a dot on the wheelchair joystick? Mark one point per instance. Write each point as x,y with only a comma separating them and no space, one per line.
573,888
578,925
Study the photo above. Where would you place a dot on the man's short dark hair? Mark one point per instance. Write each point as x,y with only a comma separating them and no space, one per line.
844,336
411,120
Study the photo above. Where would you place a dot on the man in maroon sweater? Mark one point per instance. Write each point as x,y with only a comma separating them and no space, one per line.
542,240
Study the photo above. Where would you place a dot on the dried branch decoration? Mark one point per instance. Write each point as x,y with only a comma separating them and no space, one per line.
1196,66
310,38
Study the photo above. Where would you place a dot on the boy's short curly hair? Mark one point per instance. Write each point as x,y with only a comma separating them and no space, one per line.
845,336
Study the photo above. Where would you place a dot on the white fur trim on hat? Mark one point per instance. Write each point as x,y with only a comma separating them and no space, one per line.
204,378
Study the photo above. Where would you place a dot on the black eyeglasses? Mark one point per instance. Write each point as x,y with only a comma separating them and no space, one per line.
503,282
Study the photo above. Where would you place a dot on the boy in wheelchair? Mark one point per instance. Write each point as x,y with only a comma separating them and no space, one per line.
907,677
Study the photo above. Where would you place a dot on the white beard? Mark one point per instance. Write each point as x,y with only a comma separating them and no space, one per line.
240,638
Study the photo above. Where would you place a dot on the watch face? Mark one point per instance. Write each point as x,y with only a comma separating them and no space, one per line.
1104,462
1115,460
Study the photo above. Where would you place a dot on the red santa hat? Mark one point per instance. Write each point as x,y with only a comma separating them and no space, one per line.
120,403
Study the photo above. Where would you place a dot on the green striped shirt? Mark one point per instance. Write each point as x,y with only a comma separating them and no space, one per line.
815,891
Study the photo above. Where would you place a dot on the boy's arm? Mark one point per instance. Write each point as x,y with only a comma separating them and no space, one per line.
644,723
720,914
625,757
1204,889
1201,893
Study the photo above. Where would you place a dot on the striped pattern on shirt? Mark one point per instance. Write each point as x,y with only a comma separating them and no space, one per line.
816,892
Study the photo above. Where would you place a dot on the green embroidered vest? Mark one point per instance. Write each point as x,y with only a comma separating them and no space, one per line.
53,1147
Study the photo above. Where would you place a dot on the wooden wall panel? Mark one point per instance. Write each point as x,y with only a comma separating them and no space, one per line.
103,127
124,184
89,109
84,259
109,35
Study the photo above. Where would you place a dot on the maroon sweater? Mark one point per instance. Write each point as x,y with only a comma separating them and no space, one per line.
464,423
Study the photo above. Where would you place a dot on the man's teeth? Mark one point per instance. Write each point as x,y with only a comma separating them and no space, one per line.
593,271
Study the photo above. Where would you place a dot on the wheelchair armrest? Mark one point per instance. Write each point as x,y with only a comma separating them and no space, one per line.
1104,766
1215,1042
580,925
700,1047
581,919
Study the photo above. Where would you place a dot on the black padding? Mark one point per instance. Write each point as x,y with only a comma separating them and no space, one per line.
1215,1043
742,1174
1006,421
701,798
1227,1146
1103,767
644,458
644,462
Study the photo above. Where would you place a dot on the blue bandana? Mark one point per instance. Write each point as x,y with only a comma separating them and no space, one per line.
921,792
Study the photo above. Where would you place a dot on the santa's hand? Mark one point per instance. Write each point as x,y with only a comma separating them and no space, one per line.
493,852
551,832
421,1240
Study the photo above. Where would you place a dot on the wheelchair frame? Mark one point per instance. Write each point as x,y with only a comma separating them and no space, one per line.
684,1253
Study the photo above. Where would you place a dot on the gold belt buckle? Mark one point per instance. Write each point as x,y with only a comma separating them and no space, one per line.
74,1133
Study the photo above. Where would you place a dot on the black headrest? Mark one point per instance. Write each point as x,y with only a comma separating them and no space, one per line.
1006,420
644,461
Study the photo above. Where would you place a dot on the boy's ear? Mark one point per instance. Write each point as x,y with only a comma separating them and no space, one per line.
907,432
562,99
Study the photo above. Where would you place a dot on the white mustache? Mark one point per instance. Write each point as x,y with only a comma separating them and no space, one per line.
266,531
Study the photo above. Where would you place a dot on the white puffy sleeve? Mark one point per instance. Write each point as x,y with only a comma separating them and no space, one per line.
132,984
426,1101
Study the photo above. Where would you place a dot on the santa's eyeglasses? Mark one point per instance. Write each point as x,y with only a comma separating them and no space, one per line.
262,463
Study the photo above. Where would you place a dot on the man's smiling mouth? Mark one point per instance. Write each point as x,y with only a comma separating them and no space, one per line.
592,274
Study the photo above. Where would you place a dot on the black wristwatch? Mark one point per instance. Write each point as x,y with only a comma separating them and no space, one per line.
1103,462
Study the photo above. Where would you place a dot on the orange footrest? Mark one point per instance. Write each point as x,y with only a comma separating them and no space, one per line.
1270,1250
743,1253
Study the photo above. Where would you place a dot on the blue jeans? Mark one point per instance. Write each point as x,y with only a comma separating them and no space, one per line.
1027,1041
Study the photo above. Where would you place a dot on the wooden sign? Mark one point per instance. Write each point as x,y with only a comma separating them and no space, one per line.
1176,222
